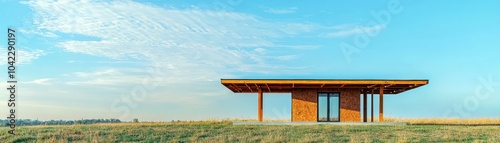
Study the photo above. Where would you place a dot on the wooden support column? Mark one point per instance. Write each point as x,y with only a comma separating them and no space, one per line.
381,108
364,107
260,106
372,105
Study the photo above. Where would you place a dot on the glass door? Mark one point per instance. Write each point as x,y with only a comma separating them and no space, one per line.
328,107
334,105
322,107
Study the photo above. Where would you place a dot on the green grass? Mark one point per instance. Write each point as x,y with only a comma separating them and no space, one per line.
226,132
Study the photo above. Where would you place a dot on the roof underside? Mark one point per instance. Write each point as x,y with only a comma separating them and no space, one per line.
286,85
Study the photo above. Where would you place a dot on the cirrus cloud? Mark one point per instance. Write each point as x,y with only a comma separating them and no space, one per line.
184,41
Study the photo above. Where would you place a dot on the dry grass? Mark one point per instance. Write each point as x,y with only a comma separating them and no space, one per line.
446,121
227,120
411,121
224,131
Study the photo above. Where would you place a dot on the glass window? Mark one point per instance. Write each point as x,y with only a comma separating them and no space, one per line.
328,107
334,107
322,107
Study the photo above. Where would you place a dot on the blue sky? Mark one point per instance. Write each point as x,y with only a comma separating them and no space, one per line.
163,60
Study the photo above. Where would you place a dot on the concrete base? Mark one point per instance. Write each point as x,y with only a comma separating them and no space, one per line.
319,123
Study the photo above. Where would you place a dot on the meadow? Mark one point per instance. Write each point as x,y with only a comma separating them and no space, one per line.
418,130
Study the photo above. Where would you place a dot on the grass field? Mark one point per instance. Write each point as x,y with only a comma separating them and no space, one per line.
211,131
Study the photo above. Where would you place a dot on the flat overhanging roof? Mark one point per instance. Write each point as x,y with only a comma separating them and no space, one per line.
286,85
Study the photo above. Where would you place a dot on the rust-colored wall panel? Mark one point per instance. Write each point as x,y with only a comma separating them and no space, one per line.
305,108
350,105
304,105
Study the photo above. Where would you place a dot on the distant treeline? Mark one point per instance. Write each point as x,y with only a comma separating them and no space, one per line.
29,122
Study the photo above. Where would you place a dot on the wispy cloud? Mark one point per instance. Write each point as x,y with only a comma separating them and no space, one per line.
281,10
42,81
186,42
178,48
97,73
166,89
38,32
347,30
22,56
28,56
287,57
108,76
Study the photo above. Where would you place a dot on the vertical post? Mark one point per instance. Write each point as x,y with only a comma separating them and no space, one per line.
381,108
372,104
364,106
260,106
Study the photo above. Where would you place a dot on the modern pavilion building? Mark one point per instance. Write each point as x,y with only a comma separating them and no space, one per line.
325,100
